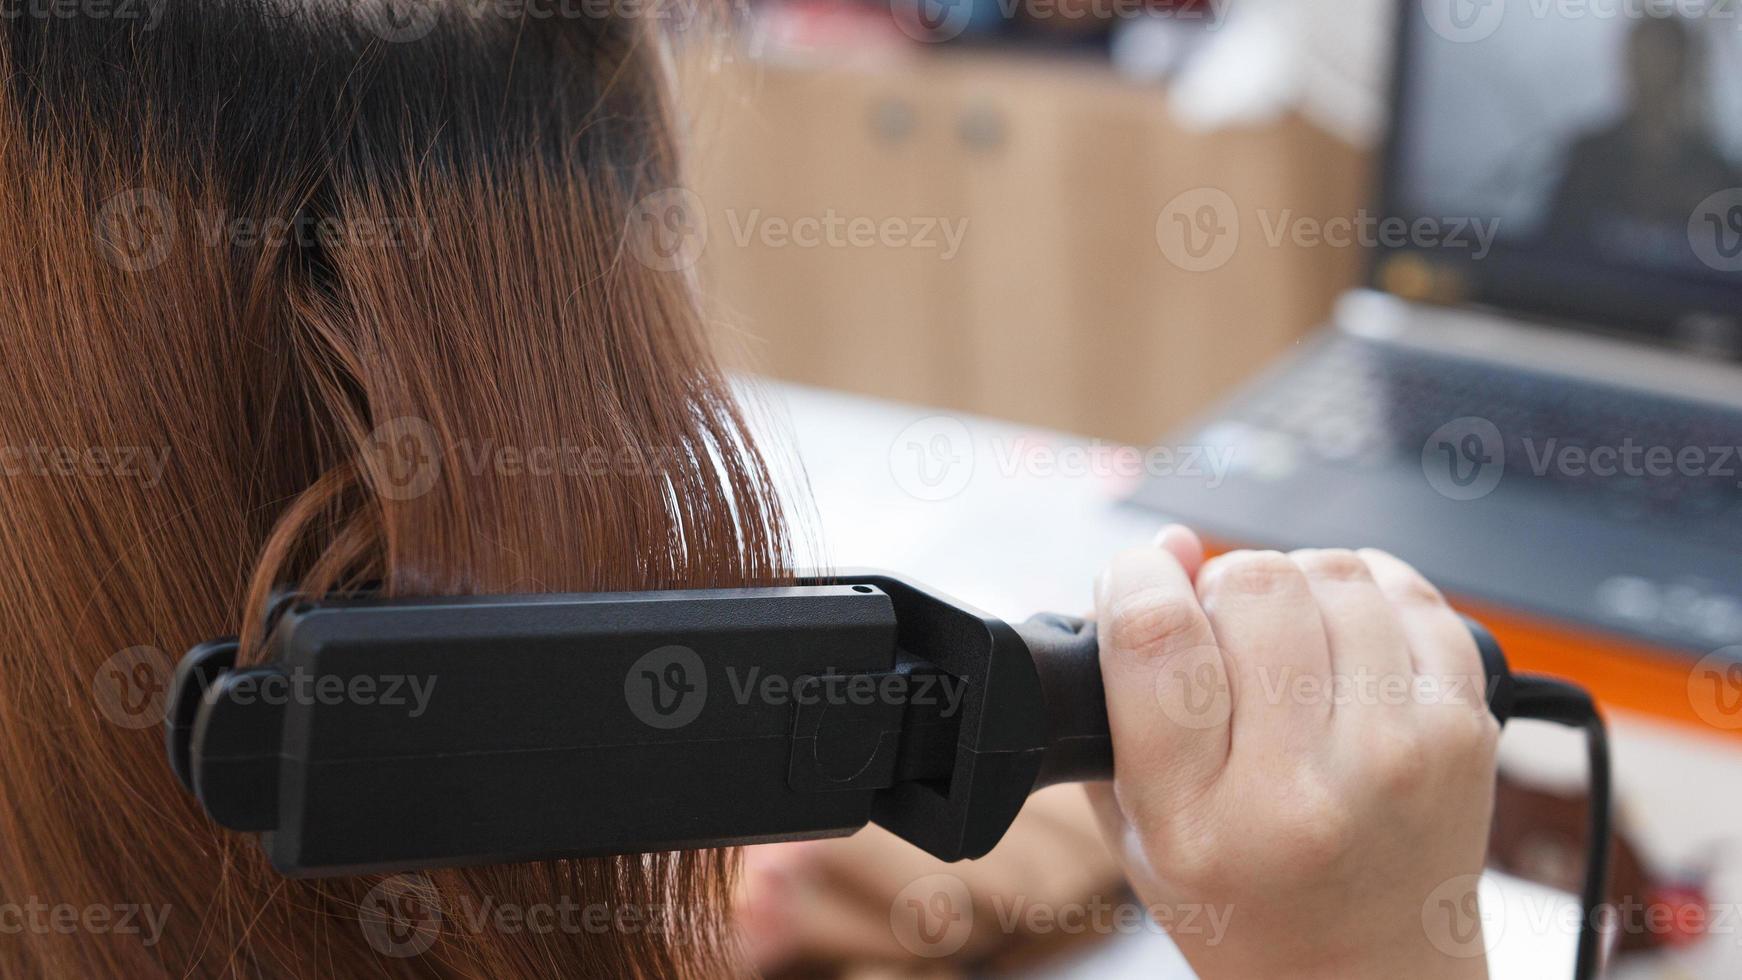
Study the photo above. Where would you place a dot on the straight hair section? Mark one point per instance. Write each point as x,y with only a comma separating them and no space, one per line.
328,295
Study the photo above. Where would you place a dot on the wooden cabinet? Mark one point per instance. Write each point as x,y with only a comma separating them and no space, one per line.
1059,306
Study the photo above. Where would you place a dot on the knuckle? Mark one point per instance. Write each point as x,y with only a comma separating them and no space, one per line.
1465,689
1150,624
1328,837
1406,585
1473,734
1459,741
1400,762
1415,590
1249,573
1488,736
1336,565
1323,830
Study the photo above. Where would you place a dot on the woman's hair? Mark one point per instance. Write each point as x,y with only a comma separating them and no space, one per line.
330,294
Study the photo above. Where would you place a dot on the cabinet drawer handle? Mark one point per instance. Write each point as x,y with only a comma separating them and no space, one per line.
892,120
981,127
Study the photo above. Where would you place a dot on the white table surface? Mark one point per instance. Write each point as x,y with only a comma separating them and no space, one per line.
989,513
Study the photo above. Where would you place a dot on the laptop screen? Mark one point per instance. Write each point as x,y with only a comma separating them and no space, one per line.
1576,160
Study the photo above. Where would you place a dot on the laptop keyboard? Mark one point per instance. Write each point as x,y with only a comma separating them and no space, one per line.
1364,404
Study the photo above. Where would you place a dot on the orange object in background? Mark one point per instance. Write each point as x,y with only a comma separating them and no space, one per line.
1621,674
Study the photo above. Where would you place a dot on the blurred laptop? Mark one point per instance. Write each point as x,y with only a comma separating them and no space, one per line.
1538,400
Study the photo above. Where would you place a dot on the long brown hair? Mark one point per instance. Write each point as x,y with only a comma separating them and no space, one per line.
308,294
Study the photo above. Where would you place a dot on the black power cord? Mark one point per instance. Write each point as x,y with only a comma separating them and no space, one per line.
1546,699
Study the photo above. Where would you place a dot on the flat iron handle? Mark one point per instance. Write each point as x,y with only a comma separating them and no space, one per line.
1066,654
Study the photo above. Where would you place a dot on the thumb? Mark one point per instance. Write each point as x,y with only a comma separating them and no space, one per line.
1168,698
1185,547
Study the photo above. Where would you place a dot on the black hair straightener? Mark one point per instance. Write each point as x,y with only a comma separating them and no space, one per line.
583,725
